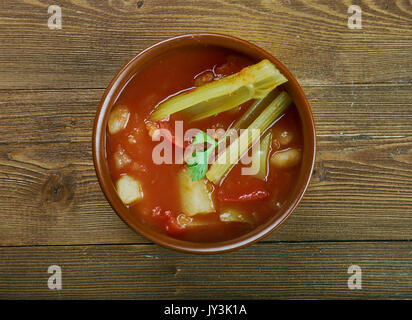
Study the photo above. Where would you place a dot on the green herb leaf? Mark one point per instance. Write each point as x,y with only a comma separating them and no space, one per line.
198,163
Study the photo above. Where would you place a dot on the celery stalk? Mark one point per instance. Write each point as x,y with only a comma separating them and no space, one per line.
254,110
253,82
220,104
260,157
237,148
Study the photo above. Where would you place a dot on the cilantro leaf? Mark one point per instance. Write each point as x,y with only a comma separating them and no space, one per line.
198,163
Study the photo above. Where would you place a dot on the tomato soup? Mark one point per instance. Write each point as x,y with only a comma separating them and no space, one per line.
165,198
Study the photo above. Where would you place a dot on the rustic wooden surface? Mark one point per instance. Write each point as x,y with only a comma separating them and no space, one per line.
357,210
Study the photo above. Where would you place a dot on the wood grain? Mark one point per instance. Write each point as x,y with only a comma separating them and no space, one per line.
263,271
357,210
361,188
310,37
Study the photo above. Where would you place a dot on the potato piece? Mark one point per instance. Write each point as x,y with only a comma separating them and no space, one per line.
195,196
129,189
118,118
283,136
234,215
286,158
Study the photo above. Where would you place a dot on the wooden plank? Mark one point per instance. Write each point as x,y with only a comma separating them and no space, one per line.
361,188
43,116
344,112
98,37
263,271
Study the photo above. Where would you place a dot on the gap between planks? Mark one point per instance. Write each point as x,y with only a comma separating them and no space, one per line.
262,242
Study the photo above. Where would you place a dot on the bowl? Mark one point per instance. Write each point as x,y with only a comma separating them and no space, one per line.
124,75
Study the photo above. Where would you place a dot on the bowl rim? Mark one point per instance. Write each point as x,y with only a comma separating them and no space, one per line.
99,141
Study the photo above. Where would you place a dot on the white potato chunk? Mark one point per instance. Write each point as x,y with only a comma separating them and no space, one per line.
195,196
129,189
234,215
283,136
121,159
118,118
286,158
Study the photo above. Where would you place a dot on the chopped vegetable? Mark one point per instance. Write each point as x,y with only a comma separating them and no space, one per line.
154,131
221,104
254,110
129,189
234,215
283,136
176,140
173,225
118,119
253,82
286,158
199,161
195,196
218,131
260,157
237,148
249,189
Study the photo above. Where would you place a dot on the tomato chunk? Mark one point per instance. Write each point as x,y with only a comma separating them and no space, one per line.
179,142
169,221
173,227
246,188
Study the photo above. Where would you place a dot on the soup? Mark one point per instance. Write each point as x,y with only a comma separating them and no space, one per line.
156,169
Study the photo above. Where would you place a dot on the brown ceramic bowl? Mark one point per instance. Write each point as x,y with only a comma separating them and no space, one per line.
113,91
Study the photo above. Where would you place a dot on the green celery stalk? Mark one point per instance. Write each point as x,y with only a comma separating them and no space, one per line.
260,157
224,103
237,148
254,110
253,82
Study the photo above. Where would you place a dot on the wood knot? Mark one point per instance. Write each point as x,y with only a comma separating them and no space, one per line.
57,192
126,6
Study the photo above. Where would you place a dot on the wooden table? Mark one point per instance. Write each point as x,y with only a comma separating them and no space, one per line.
357,210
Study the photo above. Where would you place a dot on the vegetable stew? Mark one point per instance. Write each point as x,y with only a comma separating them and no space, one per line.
204,144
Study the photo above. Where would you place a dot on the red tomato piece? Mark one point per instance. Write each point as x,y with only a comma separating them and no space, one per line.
247,188
173,227
169,221
177,142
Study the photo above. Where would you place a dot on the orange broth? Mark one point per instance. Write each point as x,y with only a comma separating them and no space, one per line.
166,76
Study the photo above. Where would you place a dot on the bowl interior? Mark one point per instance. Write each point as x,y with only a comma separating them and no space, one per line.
114,90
